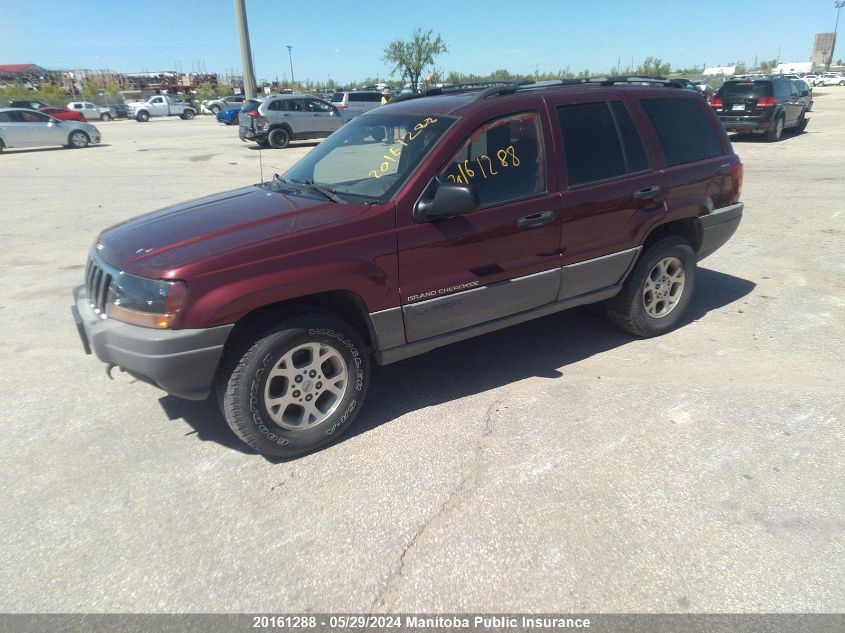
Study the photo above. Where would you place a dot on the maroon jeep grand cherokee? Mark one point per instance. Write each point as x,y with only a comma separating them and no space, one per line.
417,224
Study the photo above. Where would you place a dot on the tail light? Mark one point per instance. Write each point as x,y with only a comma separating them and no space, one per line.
342,106
766,102
736,182
716,102
253,114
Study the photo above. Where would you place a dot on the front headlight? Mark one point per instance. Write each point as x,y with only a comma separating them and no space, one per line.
153,303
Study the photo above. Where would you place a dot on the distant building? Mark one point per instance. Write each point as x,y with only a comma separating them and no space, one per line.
711,71
793,67
31,74
823,46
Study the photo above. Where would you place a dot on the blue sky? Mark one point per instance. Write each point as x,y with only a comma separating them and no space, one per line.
345,40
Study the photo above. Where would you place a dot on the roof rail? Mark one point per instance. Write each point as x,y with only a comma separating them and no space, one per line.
494,87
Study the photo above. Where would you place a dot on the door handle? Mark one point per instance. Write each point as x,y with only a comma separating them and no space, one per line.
287,115
646,193
316,114
536,219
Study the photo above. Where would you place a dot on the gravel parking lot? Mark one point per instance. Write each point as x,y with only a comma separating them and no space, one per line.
560,465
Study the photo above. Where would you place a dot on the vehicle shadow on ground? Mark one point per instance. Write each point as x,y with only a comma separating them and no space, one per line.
542,348
750,137
292,145
58,148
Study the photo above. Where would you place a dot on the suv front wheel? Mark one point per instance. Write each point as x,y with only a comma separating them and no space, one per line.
297,386
658,290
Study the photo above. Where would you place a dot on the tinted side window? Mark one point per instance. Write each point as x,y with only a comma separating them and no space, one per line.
6,117
502,160
683,129
591,142
356,96
632,145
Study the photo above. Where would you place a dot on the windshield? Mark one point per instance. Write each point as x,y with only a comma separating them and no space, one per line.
372,156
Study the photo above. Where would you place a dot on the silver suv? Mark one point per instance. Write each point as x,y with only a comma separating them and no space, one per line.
278,120
224,103
362,100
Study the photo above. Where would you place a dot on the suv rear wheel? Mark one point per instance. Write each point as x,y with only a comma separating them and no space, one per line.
297,386
279,138
658,290
776,131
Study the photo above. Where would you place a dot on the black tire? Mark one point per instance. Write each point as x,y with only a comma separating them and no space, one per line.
78,139
775,132
187,115
105,117
214,109
279,138
142,117
2,146
246,378
627,310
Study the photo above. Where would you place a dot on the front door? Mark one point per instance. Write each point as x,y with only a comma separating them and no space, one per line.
324,118
158,106
461,271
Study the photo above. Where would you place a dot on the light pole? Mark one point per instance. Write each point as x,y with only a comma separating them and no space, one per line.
838,6
290,58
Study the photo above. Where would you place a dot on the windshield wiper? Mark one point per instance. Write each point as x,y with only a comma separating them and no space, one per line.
329,193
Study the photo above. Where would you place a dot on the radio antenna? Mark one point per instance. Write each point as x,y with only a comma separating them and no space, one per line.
260,166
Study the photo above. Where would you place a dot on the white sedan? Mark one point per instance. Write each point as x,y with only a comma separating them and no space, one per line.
28,128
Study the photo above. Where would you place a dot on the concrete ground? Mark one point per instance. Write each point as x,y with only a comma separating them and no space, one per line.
556,466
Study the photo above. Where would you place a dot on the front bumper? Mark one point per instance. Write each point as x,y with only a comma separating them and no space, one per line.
181,362
718,227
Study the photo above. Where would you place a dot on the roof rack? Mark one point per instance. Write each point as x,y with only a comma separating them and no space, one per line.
494,87
490,88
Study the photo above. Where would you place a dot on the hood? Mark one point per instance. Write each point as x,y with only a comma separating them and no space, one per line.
159,242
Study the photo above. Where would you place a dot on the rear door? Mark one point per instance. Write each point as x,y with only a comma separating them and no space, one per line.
503,259
324,118
614,193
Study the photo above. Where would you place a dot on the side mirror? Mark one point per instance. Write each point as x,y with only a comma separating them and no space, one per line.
805,93
449,200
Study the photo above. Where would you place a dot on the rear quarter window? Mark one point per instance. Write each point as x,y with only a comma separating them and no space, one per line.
337,97
685,132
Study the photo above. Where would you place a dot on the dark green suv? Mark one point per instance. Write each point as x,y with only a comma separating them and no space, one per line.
767,105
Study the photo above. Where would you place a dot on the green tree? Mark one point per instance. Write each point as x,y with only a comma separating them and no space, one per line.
17,91
205,91
113,92
767,64
410,58
501,75
52,94
651,66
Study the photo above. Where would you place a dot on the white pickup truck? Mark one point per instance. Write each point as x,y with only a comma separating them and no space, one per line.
159,105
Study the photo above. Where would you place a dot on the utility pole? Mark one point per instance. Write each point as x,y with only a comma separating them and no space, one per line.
246,51
290,58
838,6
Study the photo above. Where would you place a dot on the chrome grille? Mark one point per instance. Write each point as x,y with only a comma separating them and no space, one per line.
97,282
